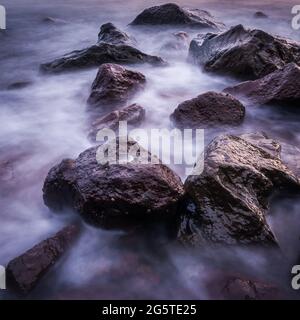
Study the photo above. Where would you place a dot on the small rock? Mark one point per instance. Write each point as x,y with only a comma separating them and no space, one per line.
133,115
109,33
19,85
209,109
260,15
25,271
179,42
115,85
52,20
244,289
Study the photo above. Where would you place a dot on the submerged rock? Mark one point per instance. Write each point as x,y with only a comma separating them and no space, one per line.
19,85
179,42
234,288
248,54
51,20
25,271
114,86
260,15
279,87
109,33
120,195
133,115
99,54
228,201
172,14
209,109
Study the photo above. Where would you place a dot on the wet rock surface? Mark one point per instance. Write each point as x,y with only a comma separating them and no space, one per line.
279,88
229,200
248,54
134,115
25,271
172,14
114,86
117,195
99,54
207,110
109,33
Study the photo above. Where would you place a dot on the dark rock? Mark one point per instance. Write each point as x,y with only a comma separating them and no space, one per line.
209,109
179,42
51,20
249,54
228,201
99,54
243,289
172,14
120,195
115,85
109,33
19,85
25,271
133,115
260,15
279,87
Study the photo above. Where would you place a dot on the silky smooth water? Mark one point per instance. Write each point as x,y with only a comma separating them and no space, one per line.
45,122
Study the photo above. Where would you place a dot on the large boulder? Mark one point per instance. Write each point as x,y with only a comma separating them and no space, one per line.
25,271
115,195
228,201
172,14
109,33
134,115
114,86
99,54
209,109
249,54
279,87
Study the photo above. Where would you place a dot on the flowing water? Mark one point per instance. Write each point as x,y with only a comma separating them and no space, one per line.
45,122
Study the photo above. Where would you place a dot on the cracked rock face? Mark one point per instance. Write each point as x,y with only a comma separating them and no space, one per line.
228,202
248,54
114,86
172,14
280,87
114,196
208,110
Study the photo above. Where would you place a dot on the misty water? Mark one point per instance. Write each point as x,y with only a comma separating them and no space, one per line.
45,122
